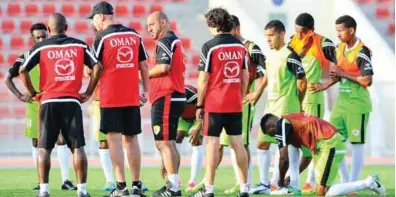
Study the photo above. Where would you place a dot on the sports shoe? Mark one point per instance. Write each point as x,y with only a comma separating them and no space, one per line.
273,187
232,189
308,189
201,193
198,186
165,191
45,194
244,194
376,187
80,194
136,192
287,191
144,188
260,189
68,185
109,186
37,187
118,193
190,186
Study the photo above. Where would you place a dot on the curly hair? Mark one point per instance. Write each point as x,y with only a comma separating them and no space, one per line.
38,26
347,20
220,19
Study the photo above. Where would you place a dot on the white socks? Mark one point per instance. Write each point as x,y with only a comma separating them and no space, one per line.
244,188
174,180
34,155
294,162
357,161
343,171
250,171
44,188
347,188
105,161
63,158
311,174
209,189
196,162
235,166
275,168
82,188
264,162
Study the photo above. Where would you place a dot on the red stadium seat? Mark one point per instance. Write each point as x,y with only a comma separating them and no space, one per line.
155,7
68,9
17,43
139,10
363,1
173,26
186,43
149,43
390,2
121,10
11,58
195,59
2,61
193,75
136,25
179,1
25,25
4,111
89,40
48,9
31,9
1,43
391,29
19,112
14,9
31,43
81,26
382,13
8,25
84,9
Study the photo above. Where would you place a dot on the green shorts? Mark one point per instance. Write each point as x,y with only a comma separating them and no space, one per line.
317,110
95,118
328,158
352,126
306,152
248,113
32,120
184,126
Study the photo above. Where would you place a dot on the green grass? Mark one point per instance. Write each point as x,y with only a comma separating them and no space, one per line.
19,182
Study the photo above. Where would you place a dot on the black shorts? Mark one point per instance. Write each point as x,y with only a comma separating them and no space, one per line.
61,116
165,114
215,122
124,120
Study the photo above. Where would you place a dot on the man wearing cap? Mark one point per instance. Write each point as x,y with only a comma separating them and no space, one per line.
120,49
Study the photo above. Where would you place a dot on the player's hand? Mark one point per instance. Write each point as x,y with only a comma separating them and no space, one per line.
84,97
199,114
252,98
143,98
196,132
306,47
25,98
316,87
336,71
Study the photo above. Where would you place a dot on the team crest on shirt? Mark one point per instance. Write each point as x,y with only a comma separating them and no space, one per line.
164,56
64,68
231,72
124,57
355,132
156,129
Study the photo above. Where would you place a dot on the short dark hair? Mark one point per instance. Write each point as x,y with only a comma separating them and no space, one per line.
347,20
264,121
219,18
277,24
235,21
305,20
38,26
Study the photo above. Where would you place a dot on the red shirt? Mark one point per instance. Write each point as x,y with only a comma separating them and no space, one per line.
224,57
61,60
120,50
169,51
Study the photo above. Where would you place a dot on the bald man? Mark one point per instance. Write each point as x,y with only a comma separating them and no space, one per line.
167,98
61,61
121,51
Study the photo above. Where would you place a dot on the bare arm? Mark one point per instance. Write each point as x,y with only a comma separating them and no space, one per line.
203,79
144,73
245,81
302,88
11,86
23,72
94,78
159,70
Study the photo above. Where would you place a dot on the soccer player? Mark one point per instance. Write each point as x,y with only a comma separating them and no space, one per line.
61,61
166,97
327,145
256,86
122,53
316,53
355,73
38,33
222,84
286,90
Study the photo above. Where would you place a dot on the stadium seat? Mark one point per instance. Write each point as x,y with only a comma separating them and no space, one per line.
81,26
31,43
179,1
84,9
11,58
156,7
186,43
68,9
17,43
31,9
382,13
25,25
4,111
48,9
391,29
14,9
1,43
149,43
89,40
19,112
363,1
136,25
139,10
173,26
389,2
121,10
193,75
2,60
8,25
195,59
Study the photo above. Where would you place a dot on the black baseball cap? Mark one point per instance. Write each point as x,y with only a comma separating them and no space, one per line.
101,8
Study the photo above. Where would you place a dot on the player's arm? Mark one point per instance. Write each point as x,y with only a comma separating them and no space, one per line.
245,76
29,64
283,129
365,66
257,57
144,71
204,69
163,59
295,66
329,50
96,67
11,74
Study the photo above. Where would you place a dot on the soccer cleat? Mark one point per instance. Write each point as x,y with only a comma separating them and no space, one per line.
273,187
109,186
198,186
136,192
287,191
353,194
165,191
45,194
308,189
119,193
232,189
201,193
190,186
80,194
37,187
68,185
377,187
260,189
294,191
144,188
243,194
